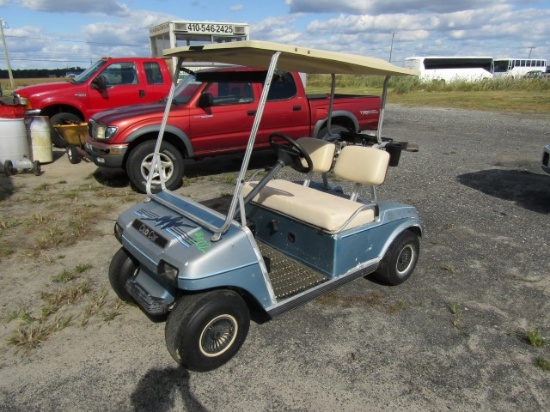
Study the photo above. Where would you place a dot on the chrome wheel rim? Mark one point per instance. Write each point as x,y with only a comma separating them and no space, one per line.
218,335
405,260
166,168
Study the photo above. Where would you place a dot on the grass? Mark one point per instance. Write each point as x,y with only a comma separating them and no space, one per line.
68,297
542,363
448,267
455,311
61,216
534,338
504,95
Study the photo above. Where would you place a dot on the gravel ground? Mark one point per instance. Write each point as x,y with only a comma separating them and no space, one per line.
452,337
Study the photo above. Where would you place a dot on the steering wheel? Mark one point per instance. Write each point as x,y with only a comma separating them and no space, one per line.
290,153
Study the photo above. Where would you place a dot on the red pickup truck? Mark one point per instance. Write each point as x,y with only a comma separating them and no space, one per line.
212,114
108,83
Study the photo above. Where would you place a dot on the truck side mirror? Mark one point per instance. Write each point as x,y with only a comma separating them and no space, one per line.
99,83
206,100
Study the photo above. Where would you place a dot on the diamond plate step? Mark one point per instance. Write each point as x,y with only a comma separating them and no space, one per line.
288,277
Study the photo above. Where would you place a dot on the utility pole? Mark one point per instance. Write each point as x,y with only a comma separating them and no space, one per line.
530,50
6,52
391,47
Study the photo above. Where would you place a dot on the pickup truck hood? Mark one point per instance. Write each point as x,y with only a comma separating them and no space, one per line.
44,88
126,113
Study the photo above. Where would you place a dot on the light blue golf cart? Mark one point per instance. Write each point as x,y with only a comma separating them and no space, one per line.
280,243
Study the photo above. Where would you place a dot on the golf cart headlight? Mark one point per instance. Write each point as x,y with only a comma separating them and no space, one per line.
105,132
169,272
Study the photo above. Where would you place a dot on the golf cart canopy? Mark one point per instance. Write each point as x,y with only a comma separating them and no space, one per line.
255,53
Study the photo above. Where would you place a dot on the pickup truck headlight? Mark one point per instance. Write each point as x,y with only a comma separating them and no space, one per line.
21,100
104,132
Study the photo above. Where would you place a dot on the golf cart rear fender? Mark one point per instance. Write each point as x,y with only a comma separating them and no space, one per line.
396,229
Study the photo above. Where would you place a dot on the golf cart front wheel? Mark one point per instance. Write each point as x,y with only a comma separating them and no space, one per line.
122,268
206,330
400,260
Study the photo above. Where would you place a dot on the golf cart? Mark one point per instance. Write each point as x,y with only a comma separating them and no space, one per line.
281,243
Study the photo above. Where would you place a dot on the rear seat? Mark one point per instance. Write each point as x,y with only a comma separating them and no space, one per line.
358,164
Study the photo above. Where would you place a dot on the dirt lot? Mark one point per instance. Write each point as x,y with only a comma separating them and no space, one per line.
455,336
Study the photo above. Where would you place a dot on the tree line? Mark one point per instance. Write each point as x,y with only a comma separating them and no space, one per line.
40,73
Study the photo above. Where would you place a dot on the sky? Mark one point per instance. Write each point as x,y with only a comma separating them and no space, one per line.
70,33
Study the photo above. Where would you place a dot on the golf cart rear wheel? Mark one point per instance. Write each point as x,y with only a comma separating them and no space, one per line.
400,260
204,331
122,268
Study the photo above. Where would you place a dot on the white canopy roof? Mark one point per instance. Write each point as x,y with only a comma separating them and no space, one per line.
255,53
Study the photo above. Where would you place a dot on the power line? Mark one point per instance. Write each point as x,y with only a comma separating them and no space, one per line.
72,41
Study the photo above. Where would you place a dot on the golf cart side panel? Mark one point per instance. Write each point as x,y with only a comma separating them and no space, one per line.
333,254
309,245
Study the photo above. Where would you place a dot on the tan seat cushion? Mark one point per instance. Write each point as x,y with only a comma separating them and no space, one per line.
320,151
362,164
312,206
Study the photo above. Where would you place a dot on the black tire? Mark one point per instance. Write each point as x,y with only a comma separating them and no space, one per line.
206,330
140,160
400,259
36,167
61,118
334,129
8,168
122,267
73,155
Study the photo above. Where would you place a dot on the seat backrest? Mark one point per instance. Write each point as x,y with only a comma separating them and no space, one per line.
362,164
320,151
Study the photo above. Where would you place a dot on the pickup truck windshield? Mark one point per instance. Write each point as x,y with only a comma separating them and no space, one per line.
89,72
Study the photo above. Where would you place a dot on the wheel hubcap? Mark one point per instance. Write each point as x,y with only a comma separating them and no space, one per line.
218,335
166,167
405,259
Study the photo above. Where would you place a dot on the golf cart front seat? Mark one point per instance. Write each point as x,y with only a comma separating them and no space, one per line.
361,165
321,153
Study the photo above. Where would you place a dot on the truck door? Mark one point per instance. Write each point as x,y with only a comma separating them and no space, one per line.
221,120
286,110
156,88
122,88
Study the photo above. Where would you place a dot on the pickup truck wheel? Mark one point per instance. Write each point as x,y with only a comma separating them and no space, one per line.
61,118
122,268
400,260
205,330
140,161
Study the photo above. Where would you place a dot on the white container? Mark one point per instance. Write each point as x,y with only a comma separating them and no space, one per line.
40,139
13,140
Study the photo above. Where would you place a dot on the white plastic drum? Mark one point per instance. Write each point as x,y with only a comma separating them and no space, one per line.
13,140
40,139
